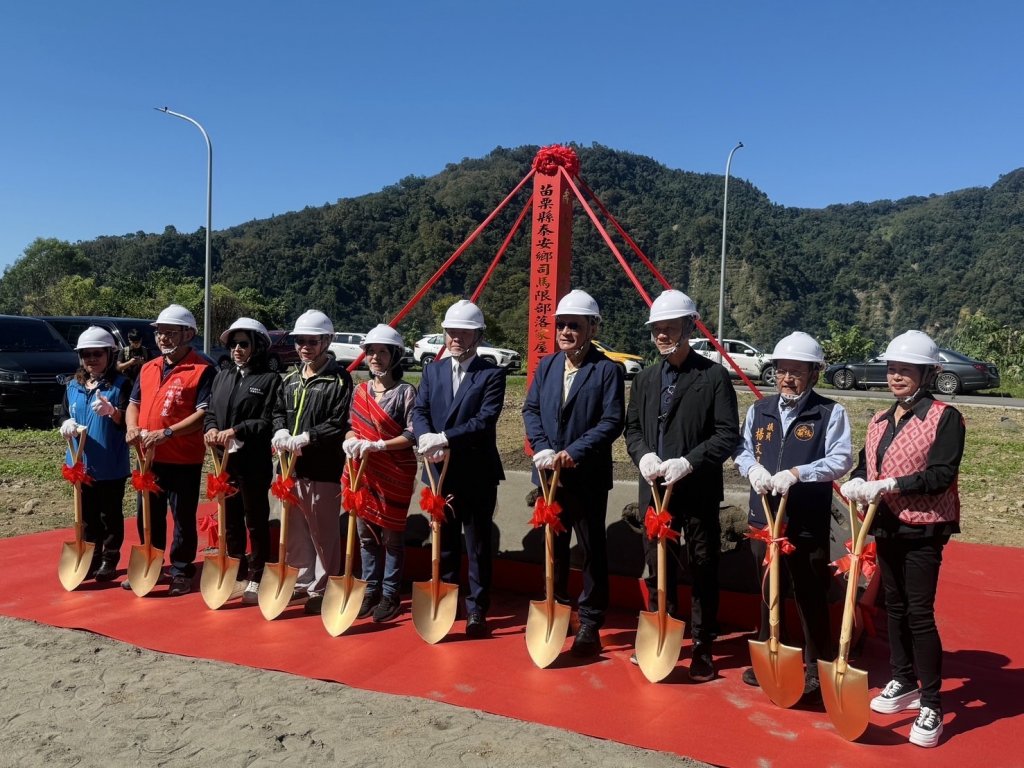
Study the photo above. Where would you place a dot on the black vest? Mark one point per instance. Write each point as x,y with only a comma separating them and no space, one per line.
808,511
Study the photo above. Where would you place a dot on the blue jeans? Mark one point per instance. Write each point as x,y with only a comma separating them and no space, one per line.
383,555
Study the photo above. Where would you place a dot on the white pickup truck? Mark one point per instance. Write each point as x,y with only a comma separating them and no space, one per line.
753,363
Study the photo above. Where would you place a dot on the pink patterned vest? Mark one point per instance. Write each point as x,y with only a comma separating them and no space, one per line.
907,454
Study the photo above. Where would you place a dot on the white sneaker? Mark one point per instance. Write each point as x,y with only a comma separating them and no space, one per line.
927,728
896,697
238,590
251,596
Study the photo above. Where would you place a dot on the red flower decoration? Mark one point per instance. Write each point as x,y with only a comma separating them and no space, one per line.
765,535
282,489
145,482
76,475
547,514
433,504
659,525
548,160
868,561
211,526
218,485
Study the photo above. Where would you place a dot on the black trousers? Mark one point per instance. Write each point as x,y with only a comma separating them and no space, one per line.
583,511
473,512
103,519
179,490
910,575
804,573
702,530
249,510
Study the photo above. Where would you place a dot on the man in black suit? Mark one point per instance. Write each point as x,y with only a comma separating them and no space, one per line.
457,409
682,423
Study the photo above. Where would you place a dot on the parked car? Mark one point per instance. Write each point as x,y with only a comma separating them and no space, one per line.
959,373
753,363
71,327
425,352
35,364
218,356
346,349
630,364
282,353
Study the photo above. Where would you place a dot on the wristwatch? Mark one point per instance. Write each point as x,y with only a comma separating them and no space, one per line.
168,433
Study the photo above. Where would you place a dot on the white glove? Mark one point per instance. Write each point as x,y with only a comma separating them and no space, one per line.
372,446
68,429
674,470
437,456
782,482
234,446
280,439
650,466
297,443
431,441
872,490
760,479
350,447
544,459
853,489
101,406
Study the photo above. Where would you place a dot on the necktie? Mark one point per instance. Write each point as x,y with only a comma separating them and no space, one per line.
456,376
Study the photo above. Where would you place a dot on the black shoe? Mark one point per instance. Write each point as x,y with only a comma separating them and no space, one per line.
106,572
313,605
702,666
387,609
812,689
94,566
370,600
749,677
587,642
180,585
476,625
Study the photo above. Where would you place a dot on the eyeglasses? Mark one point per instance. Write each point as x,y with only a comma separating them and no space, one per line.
798,373
90,353
167,332
307,341
240,343
562,324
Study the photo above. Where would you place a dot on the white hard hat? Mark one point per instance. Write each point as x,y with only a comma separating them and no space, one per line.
672,304
912,347
95,337
578,303
175,314
464,314
246,324
799,346
383,334
314,323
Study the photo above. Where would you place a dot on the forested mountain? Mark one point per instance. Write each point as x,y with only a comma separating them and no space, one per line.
885,266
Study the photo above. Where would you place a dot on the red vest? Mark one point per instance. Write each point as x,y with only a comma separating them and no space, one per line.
164,403
907,454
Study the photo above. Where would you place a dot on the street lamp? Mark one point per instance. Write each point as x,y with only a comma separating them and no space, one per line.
725,210
208,277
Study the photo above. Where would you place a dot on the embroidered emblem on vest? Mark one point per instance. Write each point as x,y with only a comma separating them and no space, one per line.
804,432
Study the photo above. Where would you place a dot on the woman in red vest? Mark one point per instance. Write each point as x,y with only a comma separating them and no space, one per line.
910,464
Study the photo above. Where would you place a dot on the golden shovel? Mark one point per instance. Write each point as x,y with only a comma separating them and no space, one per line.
76,556
659,637
779,668
344,594
278,580
844,689
434,602
145,562
547,623
220,572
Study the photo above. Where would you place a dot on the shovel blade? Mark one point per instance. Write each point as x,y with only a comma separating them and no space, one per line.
218,580
845,694
342,600
780,674
547,626
658,652
144,567
433,620
276,589
75,559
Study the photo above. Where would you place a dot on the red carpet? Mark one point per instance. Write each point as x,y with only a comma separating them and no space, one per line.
724,722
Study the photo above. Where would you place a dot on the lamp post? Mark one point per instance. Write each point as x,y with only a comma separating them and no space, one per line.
725,211
208,276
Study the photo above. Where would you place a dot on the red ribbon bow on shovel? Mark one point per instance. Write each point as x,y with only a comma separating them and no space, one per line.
765,535
547,514
76,474
868,561
659,525
210,525
433,504
355,502
282,489
145,481
219,484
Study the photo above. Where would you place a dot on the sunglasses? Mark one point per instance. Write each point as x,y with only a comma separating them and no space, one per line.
90,353
563,325
241,344
307,341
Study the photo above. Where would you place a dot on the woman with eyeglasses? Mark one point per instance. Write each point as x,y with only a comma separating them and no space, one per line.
240,420
96,398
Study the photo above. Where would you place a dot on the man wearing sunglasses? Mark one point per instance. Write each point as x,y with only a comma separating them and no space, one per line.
574,411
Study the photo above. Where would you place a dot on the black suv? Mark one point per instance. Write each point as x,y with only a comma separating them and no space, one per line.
35,364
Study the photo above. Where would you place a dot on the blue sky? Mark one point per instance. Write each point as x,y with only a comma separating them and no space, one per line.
309,102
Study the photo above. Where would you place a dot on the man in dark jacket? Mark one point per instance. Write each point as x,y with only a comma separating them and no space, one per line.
240,419
681,425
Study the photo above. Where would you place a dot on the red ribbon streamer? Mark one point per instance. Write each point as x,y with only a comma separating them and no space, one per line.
659,525
145,482
433,504
76,475
765,535
547,514
210,525
217,485
549,159
282,489
868,561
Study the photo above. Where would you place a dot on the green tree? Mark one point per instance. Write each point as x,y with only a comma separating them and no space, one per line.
845,344
22,287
